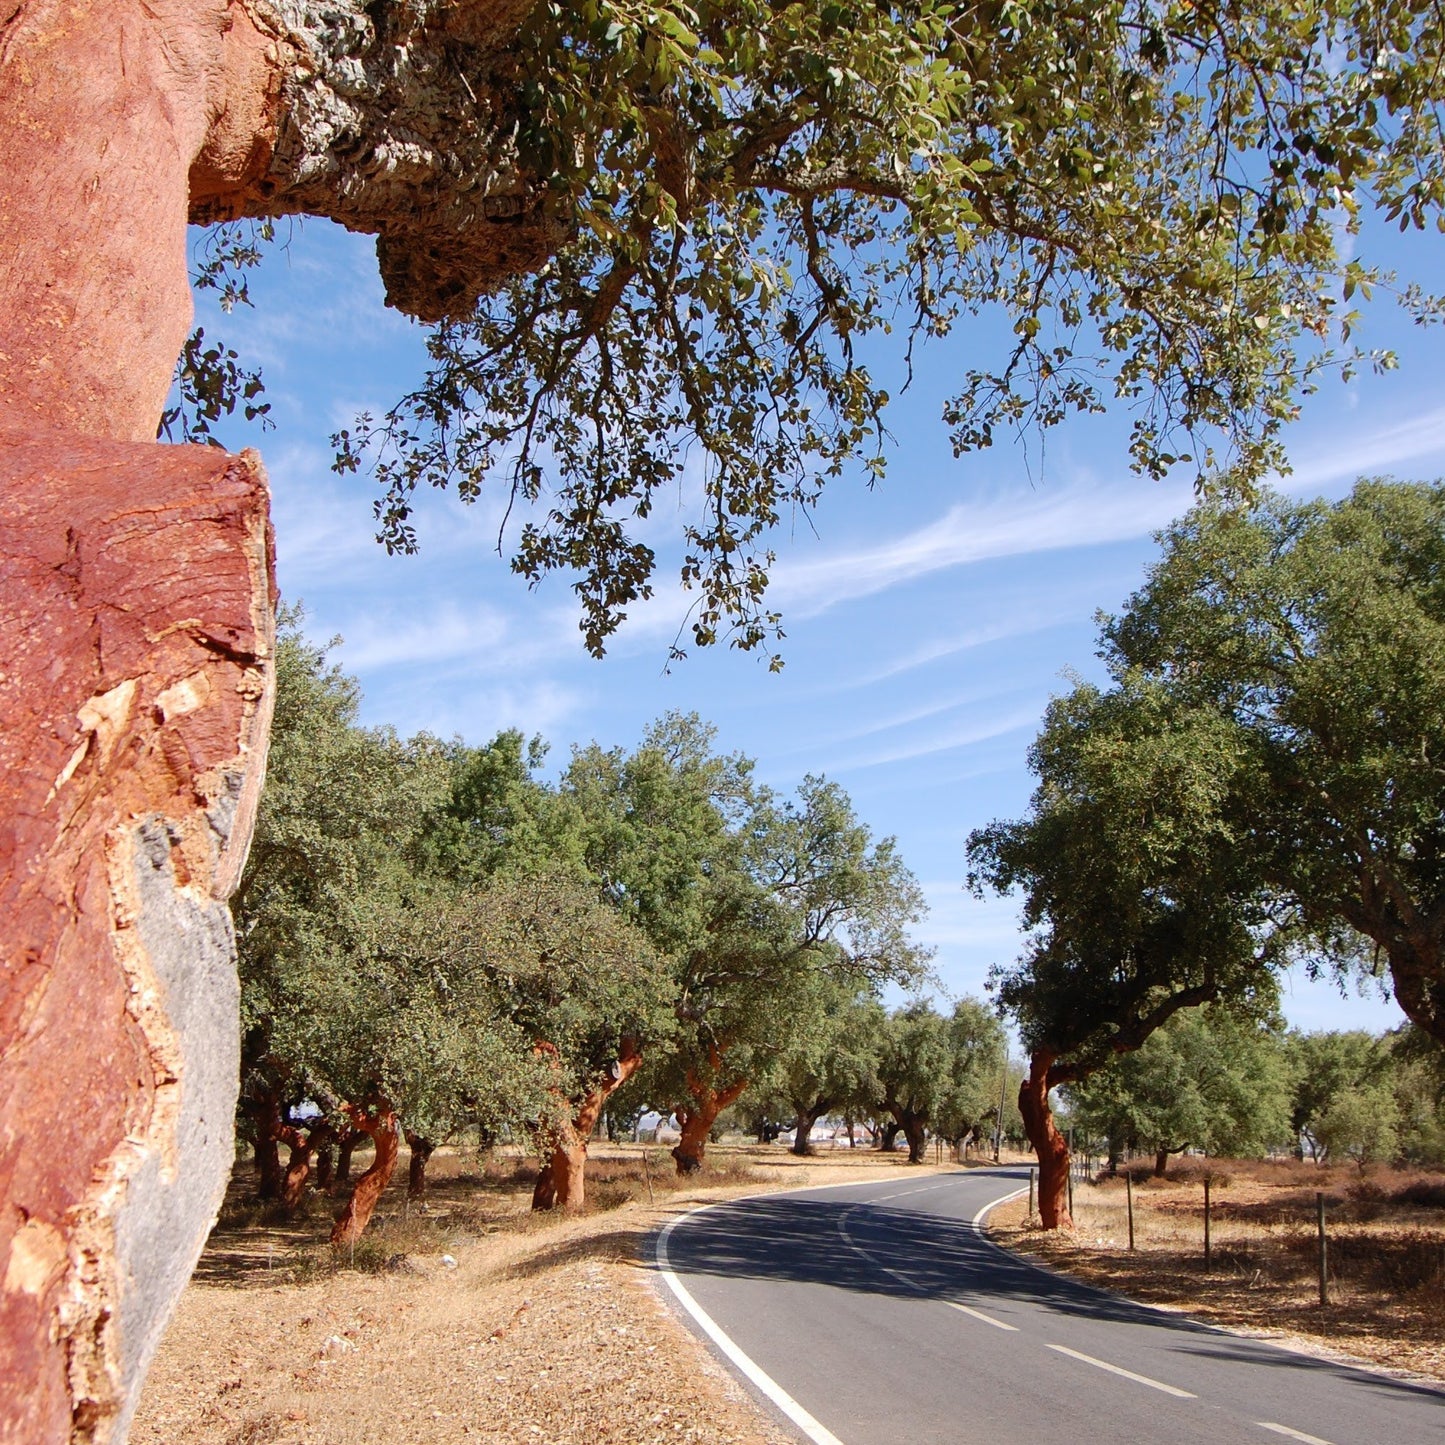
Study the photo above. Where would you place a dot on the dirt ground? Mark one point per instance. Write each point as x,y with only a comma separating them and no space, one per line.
469,1319
1385,1236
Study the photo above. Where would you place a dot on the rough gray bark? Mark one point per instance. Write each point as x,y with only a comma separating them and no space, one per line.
400,119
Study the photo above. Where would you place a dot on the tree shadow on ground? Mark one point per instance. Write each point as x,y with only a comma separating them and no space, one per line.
897,1252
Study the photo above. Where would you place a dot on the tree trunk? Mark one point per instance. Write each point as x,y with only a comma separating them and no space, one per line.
562,1179
381,1124
421,1151
325,1167
695,1124
1049,1145
298,1168
348,1142
696,1119
803,1129
268,1166
888,1136
1161,1161
915,1131
298,1171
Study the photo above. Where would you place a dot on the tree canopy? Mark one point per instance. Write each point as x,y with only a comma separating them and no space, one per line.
1155,198
1259,783
1315,633
1215,1079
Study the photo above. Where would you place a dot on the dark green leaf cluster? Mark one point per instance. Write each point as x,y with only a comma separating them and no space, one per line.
1261,781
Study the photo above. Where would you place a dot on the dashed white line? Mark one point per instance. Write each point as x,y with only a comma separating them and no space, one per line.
1292,1434
979,1315
1127,1374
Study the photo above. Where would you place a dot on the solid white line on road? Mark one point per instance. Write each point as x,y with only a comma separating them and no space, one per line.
1127,1374
1293,1434
818,1433
979,1315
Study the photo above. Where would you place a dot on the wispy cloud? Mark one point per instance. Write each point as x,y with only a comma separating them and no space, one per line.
1365,453
948,741
1008,525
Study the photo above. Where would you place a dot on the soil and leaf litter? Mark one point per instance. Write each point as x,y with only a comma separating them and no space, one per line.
466,1318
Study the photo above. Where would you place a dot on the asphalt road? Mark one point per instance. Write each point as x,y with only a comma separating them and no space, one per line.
886,1316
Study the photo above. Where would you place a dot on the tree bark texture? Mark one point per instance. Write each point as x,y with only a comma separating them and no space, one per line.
803,1123
562,1180
888,1136
697,1118
421,1151
378,1119
344,1152
701,1113
1048,1143
915,1130
136,596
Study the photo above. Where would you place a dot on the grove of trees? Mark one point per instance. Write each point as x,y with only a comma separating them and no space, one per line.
435,940
1259,784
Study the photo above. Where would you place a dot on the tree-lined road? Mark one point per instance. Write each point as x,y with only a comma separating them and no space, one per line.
883,1312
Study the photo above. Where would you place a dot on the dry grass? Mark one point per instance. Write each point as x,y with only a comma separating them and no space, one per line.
544,1328
1386,1247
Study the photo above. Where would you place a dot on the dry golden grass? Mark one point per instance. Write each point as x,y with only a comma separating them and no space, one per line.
543,1330
1386,1249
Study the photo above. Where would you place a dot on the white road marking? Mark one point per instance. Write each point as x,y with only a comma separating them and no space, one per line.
818,1433
1293,1434
1127,1374
979,1315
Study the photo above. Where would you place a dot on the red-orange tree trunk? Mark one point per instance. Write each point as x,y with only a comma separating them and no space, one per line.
381,1124
697,1118
562,1181
1049,1145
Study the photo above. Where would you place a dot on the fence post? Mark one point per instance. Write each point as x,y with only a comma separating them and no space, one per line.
1206,1225
1324,1259
1129,1199
1071,1193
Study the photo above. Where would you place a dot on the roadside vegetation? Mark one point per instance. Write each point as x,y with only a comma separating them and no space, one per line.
1257,786
439,944
1385,1240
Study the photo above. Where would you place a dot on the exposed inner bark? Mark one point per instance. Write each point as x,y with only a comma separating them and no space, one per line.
562,1180
1048,1143
136,600
378,1120
697,1118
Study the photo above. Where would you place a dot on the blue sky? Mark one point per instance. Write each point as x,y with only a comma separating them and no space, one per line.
928,621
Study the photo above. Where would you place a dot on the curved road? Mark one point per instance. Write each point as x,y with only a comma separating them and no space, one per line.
887,1317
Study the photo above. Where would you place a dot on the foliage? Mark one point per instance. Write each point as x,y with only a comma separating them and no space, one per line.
1214,1078
939,1070
569,972
1314,633
1326,1065
1155,198
754,900
211,381
1134,890
830,1063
